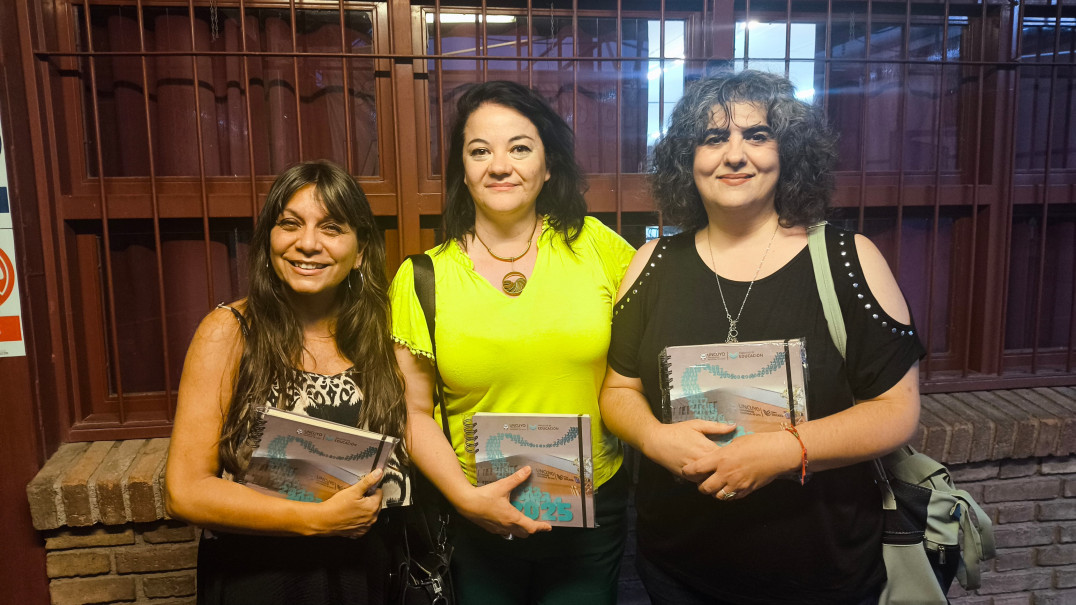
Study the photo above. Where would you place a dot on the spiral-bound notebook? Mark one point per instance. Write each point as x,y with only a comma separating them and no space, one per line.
760,386
308,459
557,447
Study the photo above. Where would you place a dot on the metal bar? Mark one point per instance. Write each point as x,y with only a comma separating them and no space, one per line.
201,163
936,219
345,66
156,206
829,55
706,23
397,151
746,34
788,36
519,49
575,65
483,25
1010,206
864,122
250,114
440,105
902,107
555,31
976,182
619,123
661,70
530,43
44,56
1069,357
295,74
1045,187
117,375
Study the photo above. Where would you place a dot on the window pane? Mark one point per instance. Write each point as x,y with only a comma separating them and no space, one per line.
584,92
877,95
289,98
1046,94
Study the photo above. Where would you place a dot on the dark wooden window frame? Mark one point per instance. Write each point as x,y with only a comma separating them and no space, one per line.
979,196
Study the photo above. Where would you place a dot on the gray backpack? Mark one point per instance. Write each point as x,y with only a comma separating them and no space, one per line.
925,514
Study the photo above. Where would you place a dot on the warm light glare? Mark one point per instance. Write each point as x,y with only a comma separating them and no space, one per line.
470,18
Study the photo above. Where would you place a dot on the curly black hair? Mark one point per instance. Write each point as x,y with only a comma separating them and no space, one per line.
807,148
561,198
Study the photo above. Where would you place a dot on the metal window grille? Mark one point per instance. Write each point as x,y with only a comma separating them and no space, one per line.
167,119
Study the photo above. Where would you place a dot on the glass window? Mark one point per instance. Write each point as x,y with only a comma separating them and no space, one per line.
277,109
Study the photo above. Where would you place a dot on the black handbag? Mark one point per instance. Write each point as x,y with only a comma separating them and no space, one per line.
427,553
425,566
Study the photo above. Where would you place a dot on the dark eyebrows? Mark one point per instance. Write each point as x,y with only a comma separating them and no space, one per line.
760,128
511,140
747,132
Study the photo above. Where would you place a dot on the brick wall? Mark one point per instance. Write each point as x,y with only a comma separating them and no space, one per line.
1033,505
107,540
100,509
138,562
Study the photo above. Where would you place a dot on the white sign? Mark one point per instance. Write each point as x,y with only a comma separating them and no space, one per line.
11,334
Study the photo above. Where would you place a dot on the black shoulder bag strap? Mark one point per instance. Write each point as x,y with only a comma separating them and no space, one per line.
238,317
429,553
422,265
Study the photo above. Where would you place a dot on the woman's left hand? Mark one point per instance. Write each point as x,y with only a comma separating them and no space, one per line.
745,465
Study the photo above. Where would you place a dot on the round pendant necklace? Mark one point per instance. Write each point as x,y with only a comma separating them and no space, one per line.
734,333
513,282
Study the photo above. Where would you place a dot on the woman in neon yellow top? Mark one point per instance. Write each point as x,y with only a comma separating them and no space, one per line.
525,286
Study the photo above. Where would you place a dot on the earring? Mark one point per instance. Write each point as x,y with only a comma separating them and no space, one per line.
349,282
362,281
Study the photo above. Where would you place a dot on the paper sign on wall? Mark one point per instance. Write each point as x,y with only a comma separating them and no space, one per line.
11,332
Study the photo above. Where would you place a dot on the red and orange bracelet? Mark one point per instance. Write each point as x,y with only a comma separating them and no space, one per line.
803,460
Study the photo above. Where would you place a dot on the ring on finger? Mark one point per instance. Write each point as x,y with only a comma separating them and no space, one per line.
509,537
727,495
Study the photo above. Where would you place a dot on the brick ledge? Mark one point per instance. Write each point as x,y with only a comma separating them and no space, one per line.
116,482
107,482
976,426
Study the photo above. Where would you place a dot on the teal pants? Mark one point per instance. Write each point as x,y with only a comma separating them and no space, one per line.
562,567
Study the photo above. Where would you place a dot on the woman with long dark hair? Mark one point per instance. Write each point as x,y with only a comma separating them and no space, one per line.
525,284
744,168
311,337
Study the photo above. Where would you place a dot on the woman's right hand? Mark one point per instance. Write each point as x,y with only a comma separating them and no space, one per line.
351,512
674,446
490,508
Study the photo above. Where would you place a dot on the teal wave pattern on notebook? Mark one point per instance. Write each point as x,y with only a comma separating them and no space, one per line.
532,501
283,474
696,397
500,463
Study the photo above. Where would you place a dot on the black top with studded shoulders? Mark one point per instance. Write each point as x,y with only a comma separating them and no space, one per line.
786,543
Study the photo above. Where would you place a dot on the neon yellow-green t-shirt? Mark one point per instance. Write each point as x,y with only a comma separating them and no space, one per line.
541,352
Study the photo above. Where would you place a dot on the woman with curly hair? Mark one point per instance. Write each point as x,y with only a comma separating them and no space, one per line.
312,337
525,284
744,168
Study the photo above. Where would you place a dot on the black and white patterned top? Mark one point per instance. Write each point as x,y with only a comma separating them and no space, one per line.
337,398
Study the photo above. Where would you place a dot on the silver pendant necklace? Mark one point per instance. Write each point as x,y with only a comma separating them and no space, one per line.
734,333
513,282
